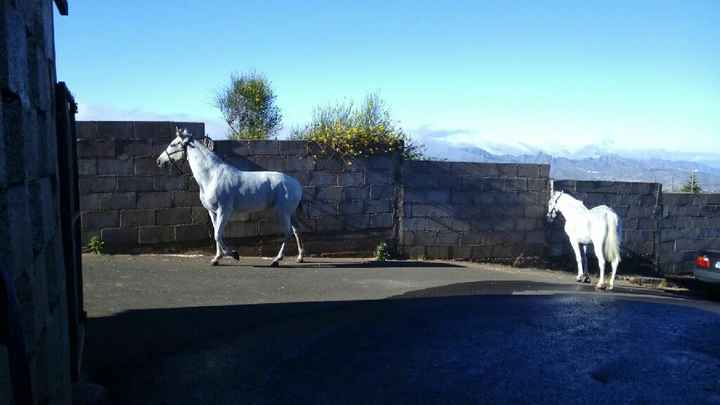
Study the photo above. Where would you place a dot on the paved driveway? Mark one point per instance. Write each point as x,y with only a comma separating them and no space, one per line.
168,329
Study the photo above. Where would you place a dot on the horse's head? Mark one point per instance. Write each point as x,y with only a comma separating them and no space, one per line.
177,149
552,205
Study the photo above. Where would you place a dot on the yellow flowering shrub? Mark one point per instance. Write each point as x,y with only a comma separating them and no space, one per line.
351,132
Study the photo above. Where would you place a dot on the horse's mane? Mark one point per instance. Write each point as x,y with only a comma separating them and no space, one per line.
574,201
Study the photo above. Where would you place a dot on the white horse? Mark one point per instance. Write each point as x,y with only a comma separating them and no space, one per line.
599,226
225,189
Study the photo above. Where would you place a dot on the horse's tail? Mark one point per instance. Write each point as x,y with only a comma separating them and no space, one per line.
612,238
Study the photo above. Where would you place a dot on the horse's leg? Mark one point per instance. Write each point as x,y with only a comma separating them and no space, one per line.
586,270
578,259
220,220
299,245
601,262
615,263
285,224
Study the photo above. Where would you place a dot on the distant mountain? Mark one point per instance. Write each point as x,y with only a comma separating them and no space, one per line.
597,163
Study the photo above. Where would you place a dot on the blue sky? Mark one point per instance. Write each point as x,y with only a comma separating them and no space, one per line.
625,74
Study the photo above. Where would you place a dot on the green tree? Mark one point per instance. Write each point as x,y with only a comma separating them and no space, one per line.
248,106
352,131
692,185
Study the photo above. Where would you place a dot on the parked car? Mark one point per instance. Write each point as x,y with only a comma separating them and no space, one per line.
707,266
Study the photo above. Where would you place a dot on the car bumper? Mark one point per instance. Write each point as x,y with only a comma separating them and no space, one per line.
707,276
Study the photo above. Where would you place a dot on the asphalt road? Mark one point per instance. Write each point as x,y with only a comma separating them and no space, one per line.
172,330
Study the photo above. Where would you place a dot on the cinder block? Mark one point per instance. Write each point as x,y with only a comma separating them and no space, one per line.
329,165
156,234
447,238
462,197
320,209
199,215
186,199
293,148
294,162
138,148
119,237
90,201
415,252
174,216
535,237
382,162
528,170
270,162
264,147
438,252
193,185
97,184
159,133
195,232
324,179
356,222
241,229
155,199
115,129
329,193
170,183
87,167
329,224
270,228
135,218
538,184
352,207
147,166
118,167
360,193
382,220
429,210
96,148
117,201
86,129
352,179
99,220
379,206
135,183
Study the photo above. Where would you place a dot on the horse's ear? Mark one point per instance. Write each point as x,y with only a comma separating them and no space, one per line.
177,131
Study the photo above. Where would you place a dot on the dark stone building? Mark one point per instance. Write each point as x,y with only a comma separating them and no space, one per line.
40,322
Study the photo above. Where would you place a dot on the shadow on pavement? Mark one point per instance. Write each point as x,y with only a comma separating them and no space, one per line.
364,265
451,344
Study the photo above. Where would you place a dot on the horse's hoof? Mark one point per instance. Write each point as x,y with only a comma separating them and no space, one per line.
274,264
235,255
300,260
610,288
214,263
600,287
587,280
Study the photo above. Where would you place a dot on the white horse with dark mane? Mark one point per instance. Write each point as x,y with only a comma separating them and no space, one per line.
225,189
599,226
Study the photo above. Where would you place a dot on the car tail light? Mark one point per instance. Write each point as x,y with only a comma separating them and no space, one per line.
703,262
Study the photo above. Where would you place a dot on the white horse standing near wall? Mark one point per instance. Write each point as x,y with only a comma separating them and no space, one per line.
599,226
225,189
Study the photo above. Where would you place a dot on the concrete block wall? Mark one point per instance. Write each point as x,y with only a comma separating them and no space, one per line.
125,198
639,206
133,205
480,211
31,250
689,224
